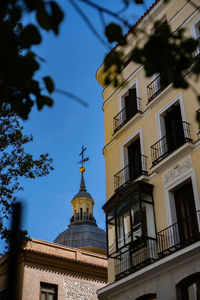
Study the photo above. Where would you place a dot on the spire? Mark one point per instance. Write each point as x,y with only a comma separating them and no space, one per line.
82,169
82,185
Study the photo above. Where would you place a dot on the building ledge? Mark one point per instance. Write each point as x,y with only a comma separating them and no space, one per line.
177,154
135,118
159,96
164,264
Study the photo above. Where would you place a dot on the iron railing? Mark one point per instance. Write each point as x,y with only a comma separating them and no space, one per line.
167,144
135,258
154,88
173,238
179,235
123,117
130,172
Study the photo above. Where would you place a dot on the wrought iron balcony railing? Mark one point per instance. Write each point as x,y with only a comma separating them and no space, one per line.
179,235
134,259
173,238
124,116
130,172
154,88
168,144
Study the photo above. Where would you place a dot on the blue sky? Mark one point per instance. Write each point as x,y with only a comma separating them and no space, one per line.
72,60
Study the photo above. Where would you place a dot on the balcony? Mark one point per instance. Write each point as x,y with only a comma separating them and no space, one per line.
179,235
173,238
168,144
132,260
125,115
130,173
154,88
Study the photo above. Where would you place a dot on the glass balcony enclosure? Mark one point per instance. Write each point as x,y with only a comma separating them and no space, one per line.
130,218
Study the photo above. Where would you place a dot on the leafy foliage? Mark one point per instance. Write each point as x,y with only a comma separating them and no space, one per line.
170,54
15,163
18,87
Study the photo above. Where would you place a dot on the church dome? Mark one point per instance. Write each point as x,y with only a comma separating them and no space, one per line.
84,235
83,232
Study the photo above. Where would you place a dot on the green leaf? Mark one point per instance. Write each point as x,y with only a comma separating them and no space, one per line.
57,16
114,34
44,100
29,36
139,1
49,84
42,17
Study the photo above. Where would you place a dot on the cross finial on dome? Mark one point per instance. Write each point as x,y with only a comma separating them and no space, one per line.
82,169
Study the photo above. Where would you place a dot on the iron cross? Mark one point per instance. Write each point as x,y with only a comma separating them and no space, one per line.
82,156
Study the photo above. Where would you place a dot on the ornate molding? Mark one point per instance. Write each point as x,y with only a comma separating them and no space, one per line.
178,169
79,290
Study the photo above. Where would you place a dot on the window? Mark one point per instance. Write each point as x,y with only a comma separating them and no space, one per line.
48,291
133,161
81,213
131,228
132,220
189,288
196,34
173,131
129,106
129,103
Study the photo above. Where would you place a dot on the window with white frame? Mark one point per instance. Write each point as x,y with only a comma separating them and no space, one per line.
129,106
173,130
195,27
133,159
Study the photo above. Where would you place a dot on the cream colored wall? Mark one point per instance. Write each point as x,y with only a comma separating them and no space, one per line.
68,286
83,203
147,121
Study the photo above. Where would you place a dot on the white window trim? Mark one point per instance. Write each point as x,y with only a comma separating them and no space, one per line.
160,127
192,28
121,95
123,146
169,197
194,34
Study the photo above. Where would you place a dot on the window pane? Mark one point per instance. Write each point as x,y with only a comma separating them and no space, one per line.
43,297
127,227
48,291
148,220
110,215
123,225
193,292
134,198
136,221
122,207
111,236
120,232
146,197
51,297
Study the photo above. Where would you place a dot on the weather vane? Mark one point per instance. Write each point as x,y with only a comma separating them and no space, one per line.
82,169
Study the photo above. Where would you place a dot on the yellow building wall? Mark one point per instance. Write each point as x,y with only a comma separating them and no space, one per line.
178,13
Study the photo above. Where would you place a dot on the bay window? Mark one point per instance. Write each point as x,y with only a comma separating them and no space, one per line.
130,218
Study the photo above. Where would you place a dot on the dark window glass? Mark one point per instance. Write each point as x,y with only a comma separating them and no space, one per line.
48,291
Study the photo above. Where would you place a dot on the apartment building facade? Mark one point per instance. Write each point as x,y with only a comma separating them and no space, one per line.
152,158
